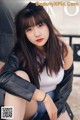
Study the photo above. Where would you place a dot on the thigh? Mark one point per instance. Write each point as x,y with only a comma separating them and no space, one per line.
31,109
18,104
64,116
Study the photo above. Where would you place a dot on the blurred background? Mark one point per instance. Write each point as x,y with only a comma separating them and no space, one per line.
65,16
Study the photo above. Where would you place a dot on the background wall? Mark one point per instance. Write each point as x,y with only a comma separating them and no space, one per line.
65,14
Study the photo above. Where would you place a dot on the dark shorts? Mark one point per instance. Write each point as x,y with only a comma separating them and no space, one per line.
41,108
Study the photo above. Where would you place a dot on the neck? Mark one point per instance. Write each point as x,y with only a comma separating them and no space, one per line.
41,50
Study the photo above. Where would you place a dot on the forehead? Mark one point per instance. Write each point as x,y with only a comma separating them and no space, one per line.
32,21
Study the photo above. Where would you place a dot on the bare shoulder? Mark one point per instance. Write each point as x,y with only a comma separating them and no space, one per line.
68,59
1,64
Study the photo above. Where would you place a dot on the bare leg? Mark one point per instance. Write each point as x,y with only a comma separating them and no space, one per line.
64,116
22,108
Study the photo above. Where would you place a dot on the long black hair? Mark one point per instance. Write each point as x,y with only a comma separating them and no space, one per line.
28,53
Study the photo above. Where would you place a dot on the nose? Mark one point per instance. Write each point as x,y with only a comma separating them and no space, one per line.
37,32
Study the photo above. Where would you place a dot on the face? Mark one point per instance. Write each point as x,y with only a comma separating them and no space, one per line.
38,34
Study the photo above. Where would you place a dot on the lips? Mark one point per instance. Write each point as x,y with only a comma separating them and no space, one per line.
39,40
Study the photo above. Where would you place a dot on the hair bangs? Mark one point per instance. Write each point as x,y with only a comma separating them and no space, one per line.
32,21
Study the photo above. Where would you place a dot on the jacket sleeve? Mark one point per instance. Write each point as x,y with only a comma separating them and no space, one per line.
64,89
12,83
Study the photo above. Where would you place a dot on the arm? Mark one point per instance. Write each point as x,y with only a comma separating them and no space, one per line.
49,105
12,83
68,59
64,89
1,65
15,85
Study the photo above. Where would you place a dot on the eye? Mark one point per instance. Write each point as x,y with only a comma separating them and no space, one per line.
28,29
40,24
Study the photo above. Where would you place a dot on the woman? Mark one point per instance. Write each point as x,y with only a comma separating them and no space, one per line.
41,58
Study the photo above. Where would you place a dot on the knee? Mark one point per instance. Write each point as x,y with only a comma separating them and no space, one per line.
23,75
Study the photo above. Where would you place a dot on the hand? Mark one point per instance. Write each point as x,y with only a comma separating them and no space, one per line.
51,108
48,102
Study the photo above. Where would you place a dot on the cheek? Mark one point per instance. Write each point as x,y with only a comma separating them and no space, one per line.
46,29
29,36
47,32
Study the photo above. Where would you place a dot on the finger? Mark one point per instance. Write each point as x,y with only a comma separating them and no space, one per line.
51,116
54,117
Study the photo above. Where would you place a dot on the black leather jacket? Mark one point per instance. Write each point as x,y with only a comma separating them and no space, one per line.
12,83
15,85
63,91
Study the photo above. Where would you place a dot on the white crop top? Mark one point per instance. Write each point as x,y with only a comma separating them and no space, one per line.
49,83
